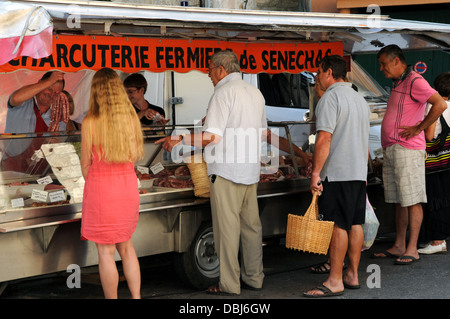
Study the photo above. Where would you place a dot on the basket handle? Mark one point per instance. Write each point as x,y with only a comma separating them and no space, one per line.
313,209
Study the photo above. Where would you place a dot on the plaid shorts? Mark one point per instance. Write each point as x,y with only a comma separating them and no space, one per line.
404,175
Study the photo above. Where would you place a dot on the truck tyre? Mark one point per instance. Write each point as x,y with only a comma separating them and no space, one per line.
199,266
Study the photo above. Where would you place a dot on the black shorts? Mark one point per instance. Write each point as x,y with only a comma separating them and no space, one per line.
344,203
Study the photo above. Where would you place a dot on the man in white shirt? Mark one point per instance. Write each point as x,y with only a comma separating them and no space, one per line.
234,126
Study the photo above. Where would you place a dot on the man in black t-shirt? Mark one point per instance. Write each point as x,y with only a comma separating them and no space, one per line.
149,114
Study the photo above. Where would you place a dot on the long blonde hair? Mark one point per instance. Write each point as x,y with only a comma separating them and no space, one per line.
112,124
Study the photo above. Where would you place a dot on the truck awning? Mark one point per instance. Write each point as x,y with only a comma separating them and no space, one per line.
359,33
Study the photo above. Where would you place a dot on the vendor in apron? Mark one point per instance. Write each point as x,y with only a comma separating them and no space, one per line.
29,112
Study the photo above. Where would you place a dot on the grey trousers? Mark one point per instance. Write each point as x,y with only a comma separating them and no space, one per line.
237,227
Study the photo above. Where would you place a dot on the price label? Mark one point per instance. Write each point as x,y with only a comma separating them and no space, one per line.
38,195
45,180
17,202
57,196
142,169
157,168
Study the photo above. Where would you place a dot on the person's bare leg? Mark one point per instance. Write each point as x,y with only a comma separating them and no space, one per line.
109,276
415,214
401,225
338,250
355,242
131,268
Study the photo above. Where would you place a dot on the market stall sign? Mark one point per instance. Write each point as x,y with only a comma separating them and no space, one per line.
75,53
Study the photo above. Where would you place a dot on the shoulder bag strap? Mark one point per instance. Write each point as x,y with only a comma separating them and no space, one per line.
445,131
410,89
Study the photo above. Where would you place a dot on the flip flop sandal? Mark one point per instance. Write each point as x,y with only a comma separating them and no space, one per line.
406,260
385,253
322,269
326,292
351,286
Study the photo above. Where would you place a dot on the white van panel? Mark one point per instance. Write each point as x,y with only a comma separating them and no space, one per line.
155,82
196,89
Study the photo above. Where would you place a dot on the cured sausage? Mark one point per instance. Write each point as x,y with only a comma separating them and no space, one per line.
60,112
172,182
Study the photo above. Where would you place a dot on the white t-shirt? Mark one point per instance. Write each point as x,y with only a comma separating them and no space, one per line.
236,112
446,115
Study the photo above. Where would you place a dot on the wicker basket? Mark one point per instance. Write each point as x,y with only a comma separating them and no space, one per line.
199,175
307,233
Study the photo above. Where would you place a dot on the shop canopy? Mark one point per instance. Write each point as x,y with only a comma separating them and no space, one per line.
91,35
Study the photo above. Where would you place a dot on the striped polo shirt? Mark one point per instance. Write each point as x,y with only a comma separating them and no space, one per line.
406,107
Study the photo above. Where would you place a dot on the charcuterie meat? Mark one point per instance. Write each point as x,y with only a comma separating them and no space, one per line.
60,112
182,171
173,182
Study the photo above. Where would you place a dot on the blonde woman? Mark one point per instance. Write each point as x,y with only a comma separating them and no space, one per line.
111,141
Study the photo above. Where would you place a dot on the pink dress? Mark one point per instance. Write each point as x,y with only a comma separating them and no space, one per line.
110,202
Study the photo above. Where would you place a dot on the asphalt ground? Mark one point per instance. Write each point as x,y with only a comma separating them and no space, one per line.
287,277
